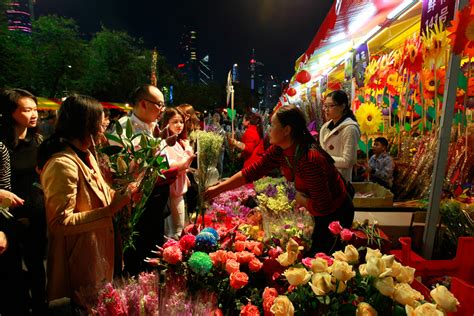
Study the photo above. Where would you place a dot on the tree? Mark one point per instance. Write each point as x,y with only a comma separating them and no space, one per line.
117,64
59,55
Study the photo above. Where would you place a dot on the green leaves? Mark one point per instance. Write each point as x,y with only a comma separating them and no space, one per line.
365,147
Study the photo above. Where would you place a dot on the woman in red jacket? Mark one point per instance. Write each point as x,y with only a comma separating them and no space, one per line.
252,139
320,187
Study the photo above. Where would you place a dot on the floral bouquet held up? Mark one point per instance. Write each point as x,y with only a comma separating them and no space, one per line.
209,146
131,161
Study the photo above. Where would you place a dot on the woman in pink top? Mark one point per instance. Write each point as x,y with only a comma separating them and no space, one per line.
179,156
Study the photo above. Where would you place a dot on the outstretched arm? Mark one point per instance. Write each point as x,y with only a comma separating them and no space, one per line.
233,182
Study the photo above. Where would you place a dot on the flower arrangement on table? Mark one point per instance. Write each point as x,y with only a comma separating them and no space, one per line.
282,220
255,279
128,161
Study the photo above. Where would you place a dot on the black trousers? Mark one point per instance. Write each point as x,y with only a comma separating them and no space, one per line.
13,287
323,239
151,230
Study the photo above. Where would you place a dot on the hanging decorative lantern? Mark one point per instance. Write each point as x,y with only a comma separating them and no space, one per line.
291,92
303,77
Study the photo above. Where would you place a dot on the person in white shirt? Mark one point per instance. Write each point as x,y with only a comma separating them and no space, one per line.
340,135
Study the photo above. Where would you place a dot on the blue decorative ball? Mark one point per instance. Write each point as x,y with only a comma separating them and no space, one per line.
212,231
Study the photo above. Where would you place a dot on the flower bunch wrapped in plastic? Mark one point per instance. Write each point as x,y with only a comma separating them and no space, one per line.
281,219
129,297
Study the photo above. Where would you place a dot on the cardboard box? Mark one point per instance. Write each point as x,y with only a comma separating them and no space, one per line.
380,196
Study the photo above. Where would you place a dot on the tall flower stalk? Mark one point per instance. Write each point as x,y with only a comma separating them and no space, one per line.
133,158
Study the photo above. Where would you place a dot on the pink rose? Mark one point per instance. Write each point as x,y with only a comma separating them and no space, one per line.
275,252
172,255
346,234
230,255
255,247
255,265
335,227
187,242
308,262
239,245
170,243
238,280
325,257
249,310
232,266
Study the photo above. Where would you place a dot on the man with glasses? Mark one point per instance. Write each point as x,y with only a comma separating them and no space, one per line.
148,106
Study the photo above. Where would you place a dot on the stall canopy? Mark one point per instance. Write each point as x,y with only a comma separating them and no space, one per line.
45,104
348,24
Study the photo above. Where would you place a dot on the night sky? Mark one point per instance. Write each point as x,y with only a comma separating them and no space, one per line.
279,30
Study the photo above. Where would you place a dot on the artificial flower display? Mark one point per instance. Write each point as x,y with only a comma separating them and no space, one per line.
435,43
412,59
462,31
369,118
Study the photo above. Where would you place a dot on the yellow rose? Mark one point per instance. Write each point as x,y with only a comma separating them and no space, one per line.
364,309
341,270
385,286
375,266
282,306
388,260
351,253
372,253
444,299
292,250
363,270
319,265
426,309
297,276
406,275
321,283
406,295
339,255
338,286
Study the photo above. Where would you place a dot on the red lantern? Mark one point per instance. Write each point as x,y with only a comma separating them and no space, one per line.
291,92
303,76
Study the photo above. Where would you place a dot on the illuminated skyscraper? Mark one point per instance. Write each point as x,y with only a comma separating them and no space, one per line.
206,74
257,80
19,14
188,61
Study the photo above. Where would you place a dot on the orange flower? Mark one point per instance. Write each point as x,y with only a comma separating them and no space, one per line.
462,31
412,56
238,280
429,84
394,82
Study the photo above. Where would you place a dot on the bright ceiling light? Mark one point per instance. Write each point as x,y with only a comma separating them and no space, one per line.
404,5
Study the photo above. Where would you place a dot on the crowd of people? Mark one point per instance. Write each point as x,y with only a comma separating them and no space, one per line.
64,210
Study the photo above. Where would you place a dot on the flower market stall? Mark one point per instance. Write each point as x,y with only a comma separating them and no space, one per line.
394,60
230,265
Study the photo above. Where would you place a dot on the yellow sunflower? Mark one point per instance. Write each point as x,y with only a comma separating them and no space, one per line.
394,82
369,118
435,42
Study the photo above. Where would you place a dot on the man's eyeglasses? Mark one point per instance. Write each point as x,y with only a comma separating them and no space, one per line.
160,105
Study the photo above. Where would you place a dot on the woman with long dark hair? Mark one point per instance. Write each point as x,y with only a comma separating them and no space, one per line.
180,156
19,133
320,187
79,204
251,145
340,135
